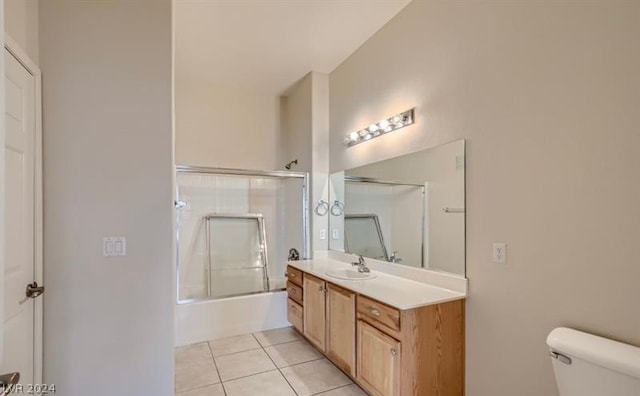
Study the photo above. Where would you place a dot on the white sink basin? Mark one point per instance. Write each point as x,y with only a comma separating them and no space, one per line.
349,274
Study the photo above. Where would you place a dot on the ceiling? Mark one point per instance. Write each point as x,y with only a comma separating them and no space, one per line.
268,45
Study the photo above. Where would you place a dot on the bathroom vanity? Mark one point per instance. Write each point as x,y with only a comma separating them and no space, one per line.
393,336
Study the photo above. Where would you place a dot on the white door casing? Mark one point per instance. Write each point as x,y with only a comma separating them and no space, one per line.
22,316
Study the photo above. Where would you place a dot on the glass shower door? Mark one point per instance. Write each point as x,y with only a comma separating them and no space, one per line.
236,254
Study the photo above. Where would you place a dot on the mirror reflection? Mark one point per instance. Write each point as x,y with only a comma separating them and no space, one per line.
408,210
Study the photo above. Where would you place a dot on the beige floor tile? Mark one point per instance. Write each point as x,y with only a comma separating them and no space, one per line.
242,364
213,390
271,383
292,353
277,336
314,377
225,346
193,354
195,375
349,390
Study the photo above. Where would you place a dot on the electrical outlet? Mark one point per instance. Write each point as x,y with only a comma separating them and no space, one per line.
323,234
500,253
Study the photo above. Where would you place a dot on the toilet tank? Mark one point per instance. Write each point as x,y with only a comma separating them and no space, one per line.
588,365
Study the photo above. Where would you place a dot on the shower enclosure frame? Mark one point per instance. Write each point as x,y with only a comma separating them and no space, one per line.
306,221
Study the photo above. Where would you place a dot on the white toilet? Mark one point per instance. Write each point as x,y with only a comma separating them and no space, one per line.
588,365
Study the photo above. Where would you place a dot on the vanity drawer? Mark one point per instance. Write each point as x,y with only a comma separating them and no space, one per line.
294,275
294,314
295,292
379,313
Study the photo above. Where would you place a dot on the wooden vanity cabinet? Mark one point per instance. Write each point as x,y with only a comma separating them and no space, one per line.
295,307
387,351
329,319
313,291
378,361
341,328
295,314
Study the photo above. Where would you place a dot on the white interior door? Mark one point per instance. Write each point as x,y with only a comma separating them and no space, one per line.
18,334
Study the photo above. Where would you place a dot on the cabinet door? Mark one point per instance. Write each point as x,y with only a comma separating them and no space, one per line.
341,328
314,310
378,361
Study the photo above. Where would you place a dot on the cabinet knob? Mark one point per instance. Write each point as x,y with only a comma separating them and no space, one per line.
394,352
375,312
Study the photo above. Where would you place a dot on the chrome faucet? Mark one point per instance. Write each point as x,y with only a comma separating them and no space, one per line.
394,257
362,266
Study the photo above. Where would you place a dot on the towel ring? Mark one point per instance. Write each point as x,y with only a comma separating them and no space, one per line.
322,208
337,209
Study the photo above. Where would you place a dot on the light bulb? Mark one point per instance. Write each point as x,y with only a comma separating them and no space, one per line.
383,124
353,136
367,136
373,128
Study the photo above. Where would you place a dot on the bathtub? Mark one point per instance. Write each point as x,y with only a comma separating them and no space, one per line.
208,320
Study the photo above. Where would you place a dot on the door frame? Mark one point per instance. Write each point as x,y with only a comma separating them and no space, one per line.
38,273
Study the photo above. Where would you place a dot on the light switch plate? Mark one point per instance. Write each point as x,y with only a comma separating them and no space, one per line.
323,234
335,234
114,246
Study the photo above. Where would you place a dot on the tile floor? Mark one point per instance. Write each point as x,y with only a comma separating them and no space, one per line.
270,363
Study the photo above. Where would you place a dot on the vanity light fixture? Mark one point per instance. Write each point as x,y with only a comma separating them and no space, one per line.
378,129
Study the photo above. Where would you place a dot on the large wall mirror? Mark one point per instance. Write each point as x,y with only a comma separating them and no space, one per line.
407,210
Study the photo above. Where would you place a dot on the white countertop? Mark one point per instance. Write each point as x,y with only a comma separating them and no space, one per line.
398,292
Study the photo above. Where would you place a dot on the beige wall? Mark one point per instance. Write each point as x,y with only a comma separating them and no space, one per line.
296,124
21,23
546,94
108,165
2,182
320,156
224,126
305,121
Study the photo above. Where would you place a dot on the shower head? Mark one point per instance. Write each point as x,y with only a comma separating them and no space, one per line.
288,166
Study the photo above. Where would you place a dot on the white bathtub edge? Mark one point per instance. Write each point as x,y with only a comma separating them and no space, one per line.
209,320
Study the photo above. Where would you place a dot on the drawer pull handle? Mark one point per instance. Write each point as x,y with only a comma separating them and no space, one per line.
292,275
394,352
375,312
292,291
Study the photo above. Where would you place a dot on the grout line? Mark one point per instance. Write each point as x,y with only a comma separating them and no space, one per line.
250,375
339,387
236,352
197,388
217,370
282,343
281,373
306,361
